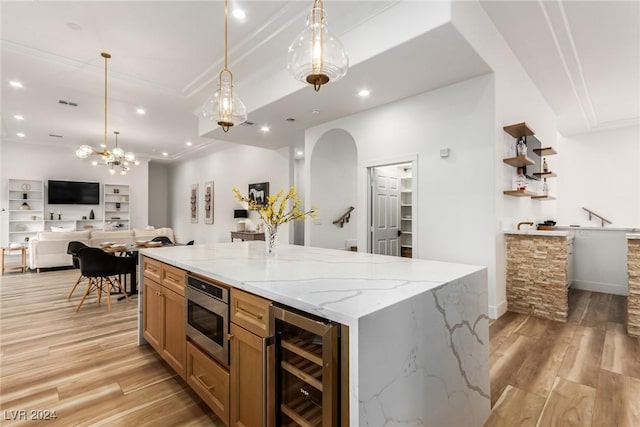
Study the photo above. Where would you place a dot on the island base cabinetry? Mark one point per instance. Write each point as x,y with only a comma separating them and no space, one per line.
209,380
251,361
164,313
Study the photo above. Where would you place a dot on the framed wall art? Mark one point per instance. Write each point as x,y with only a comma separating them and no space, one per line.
194,203
208,202
259,192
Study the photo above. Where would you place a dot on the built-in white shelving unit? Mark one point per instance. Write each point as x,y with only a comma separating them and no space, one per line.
406,213
116,203
26,208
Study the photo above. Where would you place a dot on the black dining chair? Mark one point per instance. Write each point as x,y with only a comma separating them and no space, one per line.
164,239
102,270
72,249
189,243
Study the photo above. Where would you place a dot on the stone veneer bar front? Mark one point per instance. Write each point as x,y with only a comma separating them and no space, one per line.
537,273
633,300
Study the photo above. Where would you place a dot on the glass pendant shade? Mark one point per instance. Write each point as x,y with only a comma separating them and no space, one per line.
316,56
129,156
84,151
118,152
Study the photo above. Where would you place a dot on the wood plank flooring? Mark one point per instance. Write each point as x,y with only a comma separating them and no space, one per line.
85,366
582,373
88,368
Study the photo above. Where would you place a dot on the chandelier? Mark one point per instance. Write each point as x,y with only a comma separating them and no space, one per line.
225,107
316,56
116,158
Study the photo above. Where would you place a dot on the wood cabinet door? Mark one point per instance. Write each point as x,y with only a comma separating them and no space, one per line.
209,380
152,314
246,378
175,338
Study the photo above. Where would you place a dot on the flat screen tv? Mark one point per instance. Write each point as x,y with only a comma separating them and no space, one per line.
73,193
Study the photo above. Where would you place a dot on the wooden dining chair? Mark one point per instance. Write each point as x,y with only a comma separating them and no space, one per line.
164,239
102,270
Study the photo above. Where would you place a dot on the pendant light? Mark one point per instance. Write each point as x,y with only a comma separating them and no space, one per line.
224,106
316,56
116,157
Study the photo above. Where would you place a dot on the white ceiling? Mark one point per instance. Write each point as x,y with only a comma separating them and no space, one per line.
166,57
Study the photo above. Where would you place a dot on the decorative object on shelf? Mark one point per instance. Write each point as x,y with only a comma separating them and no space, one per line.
59,216
51,215
116,157
118,206
241,215
25,196
225,107
545,187
276,211
25,206
26,186
33,217
521,147
316,56
92,215
208,202
521,181
84,217
116,191
194,203
545,167
20,227
26,239
259,194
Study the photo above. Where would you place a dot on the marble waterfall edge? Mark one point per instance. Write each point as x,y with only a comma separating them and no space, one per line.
425,361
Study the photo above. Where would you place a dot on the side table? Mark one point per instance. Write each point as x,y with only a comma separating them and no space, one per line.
246,235
23,264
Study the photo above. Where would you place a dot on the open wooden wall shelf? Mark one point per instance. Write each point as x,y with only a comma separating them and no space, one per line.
545,151
517,193
545,174
519,130
543,197
519,161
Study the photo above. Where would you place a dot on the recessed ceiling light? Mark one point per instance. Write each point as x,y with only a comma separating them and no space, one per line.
137,162
314,111
364,93
239,14
164,153
189,143
141,111
103,145
15,83
73,25
94,163
20,135
18,117
265,128
299,153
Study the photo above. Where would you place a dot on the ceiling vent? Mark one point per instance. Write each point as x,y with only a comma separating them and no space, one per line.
69,103
247,123
290,119
55,136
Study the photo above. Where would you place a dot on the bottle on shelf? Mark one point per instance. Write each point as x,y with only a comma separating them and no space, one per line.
521,181
92,215
545,167
545,188
521,147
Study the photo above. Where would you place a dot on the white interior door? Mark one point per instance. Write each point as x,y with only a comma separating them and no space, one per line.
386,211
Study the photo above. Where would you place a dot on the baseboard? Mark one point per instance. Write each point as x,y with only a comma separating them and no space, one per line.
495,312
605,288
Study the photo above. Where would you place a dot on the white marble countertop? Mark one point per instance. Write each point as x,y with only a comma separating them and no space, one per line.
338,285
532,232
633,236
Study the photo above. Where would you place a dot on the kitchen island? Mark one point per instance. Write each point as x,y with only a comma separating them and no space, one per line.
418,329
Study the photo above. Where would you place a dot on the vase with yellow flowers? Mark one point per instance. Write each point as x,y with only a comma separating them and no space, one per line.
277,210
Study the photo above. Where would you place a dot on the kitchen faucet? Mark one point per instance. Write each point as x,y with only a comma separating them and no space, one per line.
524,223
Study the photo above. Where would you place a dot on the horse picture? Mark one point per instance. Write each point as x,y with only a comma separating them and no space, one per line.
259,193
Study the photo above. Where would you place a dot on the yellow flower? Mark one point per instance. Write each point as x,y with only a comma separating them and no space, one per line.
274,212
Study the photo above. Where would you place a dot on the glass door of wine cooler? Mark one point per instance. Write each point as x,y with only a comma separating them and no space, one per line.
307,369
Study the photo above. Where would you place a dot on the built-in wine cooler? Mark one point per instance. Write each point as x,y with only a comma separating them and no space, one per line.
307,369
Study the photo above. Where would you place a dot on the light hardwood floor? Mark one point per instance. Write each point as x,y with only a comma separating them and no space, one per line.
582,373
88,368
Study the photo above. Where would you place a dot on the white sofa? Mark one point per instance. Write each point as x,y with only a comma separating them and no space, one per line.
49,248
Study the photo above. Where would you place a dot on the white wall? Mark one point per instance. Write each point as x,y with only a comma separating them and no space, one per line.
456,202
517,100
600,173
230,165
44,162
158,195
333,189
